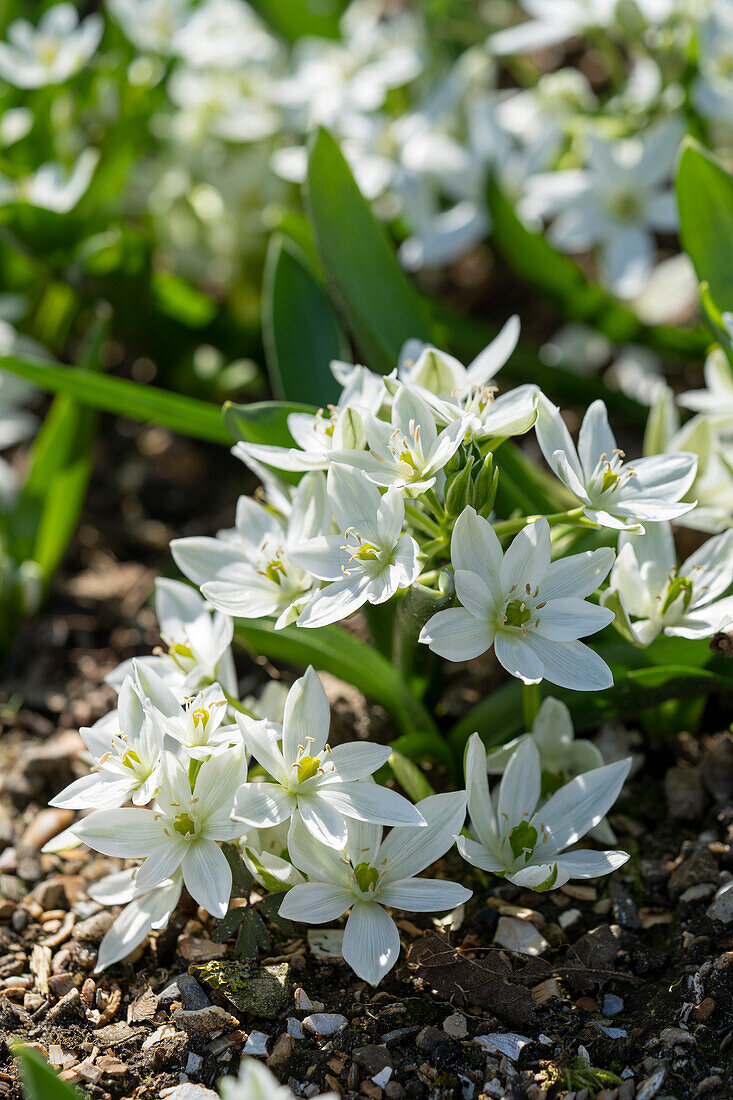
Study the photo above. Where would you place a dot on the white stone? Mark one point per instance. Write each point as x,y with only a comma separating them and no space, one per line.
326,943
295,1028
612,1004
325,1023
191,1092
382,1077
569,917
510,1044
256,1044
520,935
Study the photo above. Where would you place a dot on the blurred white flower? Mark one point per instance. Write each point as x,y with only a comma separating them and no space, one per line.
56,188
616,203
255,1082
151,25
52,51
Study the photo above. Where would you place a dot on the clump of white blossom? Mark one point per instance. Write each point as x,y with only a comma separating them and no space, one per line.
395,503
422,122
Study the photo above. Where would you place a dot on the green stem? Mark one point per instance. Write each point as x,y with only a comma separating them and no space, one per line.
422,522
436,506
531,700
512,526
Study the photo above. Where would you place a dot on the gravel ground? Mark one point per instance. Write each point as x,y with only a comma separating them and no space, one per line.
615,990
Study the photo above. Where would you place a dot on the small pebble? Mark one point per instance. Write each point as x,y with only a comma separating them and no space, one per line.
455,1026
256,1044
519,935
612,1004
510,1044
325,1023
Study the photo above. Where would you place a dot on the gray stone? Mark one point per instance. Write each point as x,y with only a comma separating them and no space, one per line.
685,795
373,1059
717,769
257,990
597,949
722,906
651,1085
187,990
204,1021
256,1044
612,1004
282,1051
94,929
520,935
697,867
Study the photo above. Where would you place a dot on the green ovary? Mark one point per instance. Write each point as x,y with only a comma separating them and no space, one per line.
184,824
308,766
517,613
366,877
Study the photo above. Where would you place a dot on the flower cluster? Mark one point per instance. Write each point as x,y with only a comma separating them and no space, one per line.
389,499
423,122
308,820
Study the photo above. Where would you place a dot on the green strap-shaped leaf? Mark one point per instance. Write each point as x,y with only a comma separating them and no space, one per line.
705,200
334,650
558,275
300,327
298,18
262,421
186,415
39,1080
377,300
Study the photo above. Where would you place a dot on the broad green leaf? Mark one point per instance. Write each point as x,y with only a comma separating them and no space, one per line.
705,200
300,328
375,296
39,1080
183,302
262,421
409,776
120,396
299,18
334,650
532,257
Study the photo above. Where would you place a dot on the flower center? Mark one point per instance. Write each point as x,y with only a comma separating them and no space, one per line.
516,613
200,717
130,759
366,877
308,766
274,569
625,206
678,587
185,825
610,480
522,839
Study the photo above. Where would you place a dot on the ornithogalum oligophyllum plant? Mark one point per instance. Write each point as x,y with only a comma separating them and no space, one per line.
391,504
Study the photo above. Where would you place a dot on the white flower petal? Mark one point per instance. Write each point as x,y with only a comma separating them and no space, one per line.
371,942
423,895
263,804
371,802
457,635
583,802
408,851
316,902
208,876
